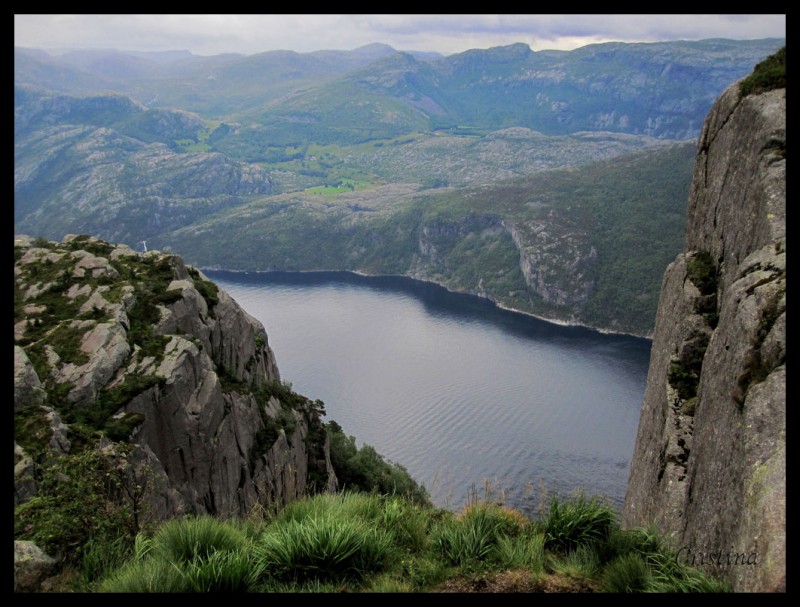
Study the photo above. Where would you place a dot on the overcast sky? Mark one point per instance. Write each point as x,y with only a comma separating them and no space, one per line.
446,34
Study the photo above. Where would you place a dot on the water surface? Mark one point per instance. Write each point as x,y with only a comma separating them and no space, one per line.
469,398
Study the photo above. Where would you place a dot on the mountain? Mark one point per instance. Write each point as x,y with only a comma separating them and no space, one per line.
660,89
358,57
98,165
577,245
38,69
142,348
360,151
709,466
218,85
143,392
108,166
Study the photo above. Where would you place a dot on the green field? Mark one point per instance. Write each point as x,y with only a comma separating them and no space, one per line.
340,187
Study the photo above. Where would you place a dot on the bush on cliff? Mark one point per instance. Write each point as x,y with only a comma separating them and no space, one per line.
768,75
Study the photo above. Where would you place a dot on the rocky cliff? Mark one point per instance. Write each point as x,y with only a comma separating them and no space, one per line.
115,348
709,465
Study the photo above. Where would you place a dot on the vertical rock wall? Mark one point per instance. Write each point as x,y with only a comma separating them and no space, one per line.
709,465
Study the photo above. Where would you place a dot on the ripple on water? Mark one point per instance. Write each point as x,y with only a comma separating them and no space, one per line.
469,399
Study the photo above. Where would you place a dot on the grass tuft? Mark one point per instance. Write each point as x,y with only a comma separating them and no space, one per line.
582,521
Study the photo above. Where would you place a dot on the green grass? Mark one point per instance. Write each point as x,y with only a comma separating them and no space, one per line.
581,521
628,573
327,548
193,554
192,146
349,542
188,539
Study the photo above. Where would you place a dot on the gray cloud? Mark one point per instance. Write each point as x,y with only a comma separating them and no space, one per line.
445,33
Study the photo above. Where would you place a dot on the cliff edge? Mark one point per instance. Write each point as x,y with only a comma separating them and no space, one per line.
709,464
142,359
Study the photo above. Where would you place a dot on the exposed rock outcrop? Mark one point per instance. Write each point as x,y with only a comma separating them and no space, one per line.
709,466
31,566
558,268
149,352
556,262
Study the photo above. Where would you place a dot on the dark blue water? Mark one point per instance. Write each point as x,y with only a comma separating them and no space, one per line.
472,400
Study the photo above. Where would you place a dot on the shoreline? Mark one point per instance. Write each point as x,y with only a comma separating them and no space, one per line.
500,306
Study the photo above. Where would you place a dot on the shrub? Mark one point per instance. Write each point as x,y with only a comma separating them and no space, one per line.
322,548
366,470
628,573
192,538
209,292
78,499
683,380
109,401
469,539
120,429
32,430
578,522
703,272
768,75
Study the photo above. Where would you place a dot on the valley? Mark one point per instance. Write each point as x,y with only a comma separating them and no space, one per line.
550,182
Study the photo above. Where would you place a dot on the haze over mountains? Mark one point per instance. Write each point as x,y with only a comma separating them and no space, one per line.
378,161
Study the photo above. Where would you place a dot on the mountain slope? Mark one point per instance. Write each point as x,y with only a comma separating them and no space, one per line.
358,152
106,165
660,89
145,351
576,245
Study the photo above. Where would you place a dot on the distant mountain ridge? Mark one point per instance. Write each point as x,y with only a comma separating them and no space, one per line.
661,89
364,148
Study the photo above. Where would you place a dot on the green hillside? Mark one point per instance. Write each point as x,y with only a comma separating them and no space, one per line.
439,168
609,206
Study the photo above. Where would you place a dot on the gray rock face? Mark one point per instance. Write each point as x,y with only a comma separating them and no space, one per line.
24,482
559,269
28,391
558,265
166,351
31,566
709,466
